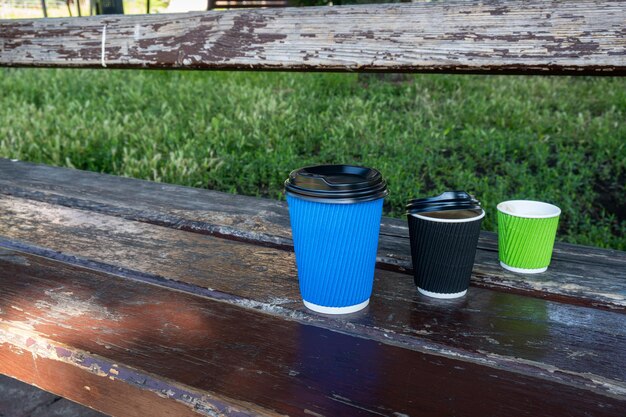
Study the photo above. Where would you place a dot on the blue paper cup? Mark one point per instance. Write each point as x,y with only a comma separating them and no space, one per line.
335,240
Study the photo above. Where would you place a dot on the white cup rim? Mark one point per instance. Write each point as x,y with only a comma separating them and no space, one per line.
435,219
529,209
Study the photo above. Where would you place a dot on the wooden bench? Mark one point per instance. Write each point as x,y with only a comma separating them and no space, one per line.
138,298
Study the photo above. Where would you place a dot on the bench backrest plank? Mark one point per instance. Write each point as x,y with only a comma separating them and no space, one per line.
565,37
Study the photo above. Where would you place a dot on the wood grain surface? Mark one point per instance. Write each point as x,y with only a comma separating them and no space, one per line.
538,37
579,274
19,399
72,328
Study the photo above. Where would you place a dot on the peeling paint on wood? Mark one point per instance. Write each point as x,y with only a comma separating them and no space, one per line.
9,256
551,37
145,387
45,349
60,305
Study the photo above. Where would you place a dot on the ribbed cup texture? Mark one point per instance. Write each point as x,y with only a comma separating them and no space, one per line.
335,247
526,243
443,253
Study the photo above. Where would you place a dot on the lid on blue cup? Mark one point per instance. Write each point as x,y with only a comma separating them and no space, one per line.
449,200
337,183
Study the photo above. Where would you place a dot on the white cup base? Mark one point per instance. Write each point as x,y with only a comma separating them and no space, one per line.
336,310
522,270
442,295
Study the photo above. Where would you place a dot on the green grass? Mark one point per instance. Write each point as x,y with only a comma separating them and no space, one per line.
556,139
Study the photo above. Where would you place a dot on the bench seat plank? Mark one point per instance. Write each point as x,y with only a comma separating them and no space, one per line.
39,365
579,274
539,37
225,357
558,341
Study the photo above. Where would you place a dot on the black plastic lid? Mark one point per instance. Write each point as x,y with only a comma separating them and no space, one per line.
439,207
445,197
449,200
337,184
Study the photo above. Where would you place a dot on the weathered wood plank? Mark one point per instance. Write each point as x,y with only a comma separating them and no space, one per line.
579,274
557,341
539,37
105,333
20,399
62,371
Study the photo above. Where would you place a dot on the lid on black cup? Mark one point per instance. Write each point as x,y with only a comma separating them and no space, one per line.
337,183
449,200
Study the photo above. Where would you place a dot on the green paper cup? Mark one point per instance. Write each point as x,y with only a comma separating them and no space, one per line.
526,232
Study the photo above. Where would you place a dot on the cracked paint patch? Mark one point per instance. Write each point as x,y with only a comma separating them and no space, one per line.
40,348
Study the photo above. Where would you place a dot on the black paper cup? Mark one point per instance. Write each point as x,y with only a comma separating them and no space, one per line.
443,247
